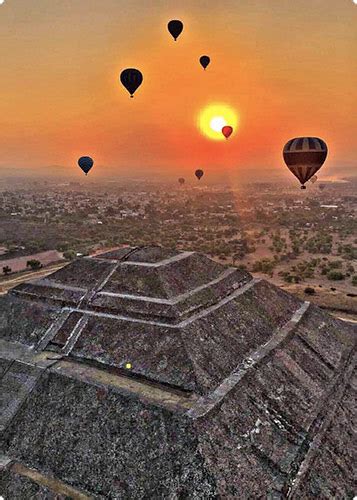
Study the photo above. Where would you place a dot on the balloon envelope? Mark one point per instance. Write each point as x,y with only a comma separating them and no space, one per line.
175,28
85,163
304,156
227,131
204,61
199,173
131,78
181,180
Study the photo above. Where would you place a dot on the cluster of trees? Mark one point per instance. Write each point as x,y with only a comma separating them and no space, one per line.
279,244
348,252
33,264
319,243
265,266
333,270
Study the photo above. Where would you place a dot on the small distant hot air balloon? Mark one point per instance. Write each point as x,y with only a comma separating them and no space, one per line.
85,163
304,156
175,28
204,61
181,181
313,179
322,187
131,78
199,173
227,131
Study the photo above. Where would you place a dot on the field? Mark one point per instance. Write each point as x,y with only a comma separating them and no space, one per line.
20,263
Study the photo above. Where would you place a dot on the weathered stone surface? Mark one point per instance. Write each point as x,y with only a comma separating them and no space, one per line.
333,472
309,361
146,254
49,293
148,373
111,445
25,322
83,273
65,330
14,486
15,386
325,336
167,281
156,352
174,309
4,365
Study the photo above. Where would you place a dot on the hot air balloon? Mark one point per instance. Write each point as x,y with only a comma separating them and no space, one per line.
322,187
199,173
204,61
227,131
175,28
85,163
304,156
313,179
131,79
181,181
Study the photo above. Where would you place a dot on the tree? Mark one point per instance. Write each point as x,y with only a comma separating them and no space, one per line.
335,276
70,255
6,270
309,290
354,280
34,264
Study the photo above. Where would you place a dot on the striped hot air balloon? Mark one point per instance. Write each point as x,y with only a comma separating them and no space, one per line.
85,163
304,156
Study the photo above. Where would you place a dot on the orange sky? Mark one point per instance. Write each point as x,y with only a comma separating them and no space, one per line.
287,66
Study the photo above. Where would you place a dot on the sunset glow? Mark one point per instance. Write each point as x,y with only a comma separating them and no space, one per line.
276,72
213,118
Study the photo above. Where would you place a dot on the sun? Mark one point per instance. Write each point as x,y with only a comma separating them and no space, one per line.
214,117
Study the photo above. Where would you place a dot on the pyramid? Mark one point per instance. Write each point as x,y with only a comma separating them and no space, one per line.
151,373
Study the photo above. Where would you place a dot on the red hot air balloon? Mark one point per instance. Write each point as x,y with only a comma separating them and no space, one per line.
227,131
304,156
199,173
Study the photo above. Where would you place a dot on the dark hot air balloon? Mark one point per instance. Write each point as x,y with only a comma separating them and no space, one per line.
85,163
175,28
131,79
199,173
304,156
181,181
227,131
322,187
204,61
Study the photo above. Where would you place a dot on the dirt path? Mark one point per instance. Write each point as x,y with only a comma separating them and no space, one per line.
9,283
